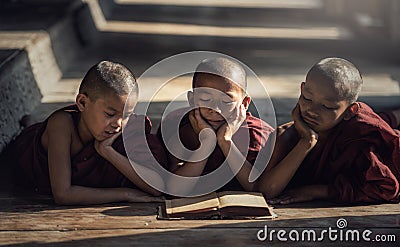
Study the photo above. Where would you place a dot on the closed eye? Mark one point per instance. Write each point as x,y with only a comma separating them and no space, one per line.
306,99
205,100
109,114
330,108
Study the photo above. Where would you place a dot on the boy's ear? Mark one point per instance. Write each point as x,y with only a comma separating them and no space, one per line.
302,85
246,102
351,111
81,101
190,97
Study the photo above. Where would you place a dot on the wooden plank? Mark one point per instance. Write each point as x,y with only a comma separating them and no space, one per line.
143,216
173,237
61,222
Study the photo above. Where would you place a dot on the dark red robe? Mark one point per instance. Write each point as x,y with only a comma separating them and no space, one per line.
256,129
390,118
359,161
88,167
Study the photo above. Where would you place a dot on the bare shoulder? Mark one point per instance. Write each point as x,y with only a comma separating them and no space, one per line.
60,126
60,121
287,132
287,138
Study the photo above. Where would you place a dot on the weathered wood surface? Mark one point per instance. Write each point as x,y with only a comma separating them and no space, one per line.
28,219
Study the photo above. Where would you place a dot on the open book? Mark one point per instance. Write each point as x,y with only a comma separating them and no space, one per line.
218,205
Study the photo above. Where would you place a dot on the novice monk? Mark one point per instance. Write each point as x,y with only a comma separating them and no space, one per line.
336,148
73,155
218,96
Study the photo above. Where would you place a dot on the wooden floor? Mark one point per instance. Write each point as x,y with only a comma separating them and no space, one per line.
30,219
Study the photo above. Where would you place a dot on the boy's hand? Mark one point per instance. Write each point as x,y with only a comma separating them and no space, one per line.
306,133
197,121
235,120
105,146
134,195
302,194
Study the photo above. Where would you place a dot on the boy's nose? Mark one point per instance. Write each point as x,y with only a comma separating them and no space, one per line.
312,113
312,110
214,106
216,109
117,124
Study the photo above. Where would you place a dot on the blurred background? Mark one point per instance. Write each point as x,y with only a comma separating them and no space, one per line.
46,46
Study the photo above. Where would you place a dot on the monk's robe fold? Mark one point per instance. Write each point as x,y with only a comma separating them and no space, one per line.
359,160
390,118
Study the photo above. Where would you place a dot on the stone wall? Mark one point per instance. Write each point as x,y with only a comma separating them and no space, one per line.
19,94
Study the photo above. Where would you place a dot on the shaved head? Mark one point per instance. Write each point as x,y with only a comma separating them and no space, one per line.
224,68
340,73
108,77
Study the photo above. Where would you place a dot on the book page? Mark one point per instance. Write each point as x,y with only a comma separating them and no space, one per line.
241,199
192,204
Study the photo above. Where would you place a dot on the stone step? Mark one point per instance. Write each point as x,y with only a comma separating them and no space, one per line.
197,25
276,4
259,21
36,42
218,13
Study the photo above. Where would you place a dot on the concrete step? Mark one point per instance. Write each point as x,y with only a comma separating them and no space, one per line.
278,4
36,43
159,26
219,20
218,13
190,25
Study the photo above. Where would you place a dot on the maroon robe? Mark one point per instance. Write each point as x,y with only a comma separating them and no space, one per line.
256,129
359,160
390,118
88,168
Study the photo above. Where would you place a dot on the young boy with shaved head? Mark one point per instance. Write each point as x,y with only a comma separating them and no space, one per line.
336,148
77,153
219,106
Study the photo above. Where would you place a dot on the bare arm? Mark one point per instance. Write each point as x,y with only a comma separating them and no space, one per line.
235,158
302,194
186,169
59,151
232,158
275,179
122,163
190,168
284,163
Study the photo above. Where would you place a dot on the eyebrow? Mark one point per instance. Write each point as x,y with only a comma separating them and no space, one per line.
230,95
112,108
331,102
307,90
